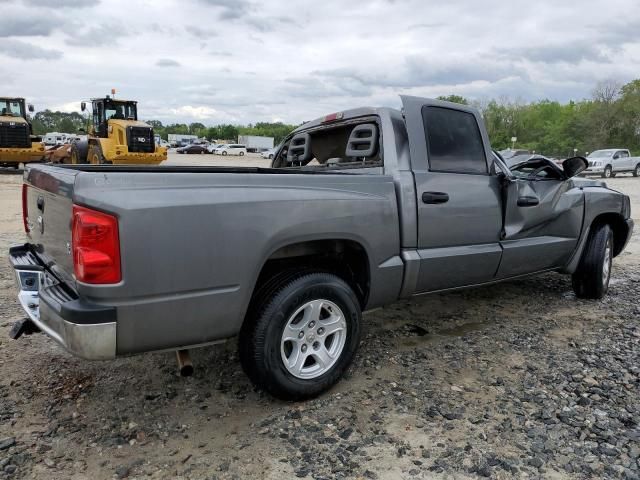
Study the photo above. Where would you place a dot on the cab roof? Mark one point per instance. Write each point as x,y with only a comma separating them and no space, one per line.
114,100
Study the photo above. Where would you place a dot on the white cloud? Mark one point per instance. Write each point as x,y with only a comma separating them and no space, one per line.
244,61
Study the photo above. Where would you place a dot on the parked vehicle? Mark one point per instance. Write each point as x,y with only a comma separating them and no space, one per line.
269,153
256,143
288,257
193,148
117,136
510,153
231,149
18,145
211,148
611,161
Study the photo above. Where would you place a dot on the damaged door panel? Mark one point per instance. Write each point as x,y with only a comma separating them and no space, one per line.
543,220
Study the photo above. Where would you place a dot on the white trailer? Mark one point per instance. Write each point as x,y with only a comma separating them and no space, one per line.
177,139
255,143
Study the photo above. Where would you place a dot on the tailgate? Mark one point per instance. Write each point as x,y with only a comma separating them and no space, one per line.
49,204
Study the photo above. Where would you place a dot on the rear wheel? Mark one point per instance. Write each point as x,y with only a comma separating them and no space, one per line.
636,171
241,154
591,279
607,172
224,153
300,335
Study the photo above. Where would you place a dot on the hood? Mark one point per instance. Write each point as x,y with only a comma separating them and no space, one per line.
11,118
588,182
128,123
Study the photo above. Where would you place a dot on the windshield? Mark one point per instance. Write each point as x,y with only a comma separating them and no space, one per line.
600,154
12,108
120,111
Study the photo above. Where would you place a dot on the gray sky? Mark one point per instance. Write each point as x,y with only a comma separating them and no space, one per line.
240,61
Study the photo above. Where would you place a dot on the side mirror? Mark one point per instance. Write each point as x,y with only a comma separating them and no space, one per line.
574,166
31,109
83,106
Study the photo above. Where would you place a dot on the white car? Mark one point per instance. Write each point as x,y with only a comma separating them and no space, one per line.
269,153
231,149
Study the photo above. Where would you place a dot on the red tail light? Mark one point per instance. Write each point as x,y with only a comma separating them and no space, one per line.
25,208
96,246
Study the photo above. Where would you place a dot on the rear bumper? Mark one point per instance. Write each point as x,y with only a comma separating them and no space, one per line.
85,329
21,155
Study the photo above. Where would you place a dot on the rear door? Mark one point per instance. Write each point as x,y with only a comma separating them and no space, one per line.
459,202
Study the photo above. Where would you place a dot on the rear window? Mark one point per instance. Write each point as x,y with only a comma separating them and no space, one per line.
454,142
342,145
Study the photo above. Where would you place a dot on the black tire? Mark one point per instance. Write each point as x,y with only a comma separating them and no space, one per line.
591,279
95,156
81,149
241,154
261,335
224,153
636,171
607,172
271,156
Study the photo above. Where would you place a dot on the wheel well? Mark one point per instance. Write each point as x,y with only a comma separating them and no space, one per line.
618,226
346,259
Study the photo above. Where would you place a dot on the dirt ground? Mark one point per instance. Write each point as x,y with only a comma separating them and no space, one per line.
516,380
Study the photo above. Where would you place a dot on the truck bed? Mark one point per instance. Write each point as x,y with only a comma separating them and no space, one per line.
192,244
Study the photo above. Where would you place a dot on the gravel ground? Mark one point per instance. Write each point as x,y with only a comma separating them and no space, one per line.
517,380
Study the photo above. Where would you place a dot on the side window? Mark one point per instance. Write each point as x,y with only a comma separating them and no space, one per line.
454,142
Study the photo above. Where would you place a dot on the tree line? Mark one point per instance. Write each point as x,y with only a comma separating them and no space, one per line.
610,118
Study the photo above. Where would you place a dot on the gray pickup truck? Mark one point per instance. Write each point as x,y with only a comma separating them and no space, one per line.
359,209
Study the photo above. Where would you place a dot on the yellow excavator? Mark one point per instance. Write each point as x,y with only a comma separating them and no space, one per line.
117,136
18,145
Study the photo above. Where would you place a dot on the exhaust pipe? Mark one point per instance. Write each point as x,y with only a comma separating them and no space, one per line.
184,363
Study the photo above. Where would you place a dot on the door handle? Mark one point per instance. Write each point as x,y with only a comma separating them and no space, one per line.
435,197
528,201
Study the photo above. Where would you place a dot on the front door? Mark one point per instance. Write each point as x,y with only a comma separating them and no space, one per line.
459,201
543,219
622,161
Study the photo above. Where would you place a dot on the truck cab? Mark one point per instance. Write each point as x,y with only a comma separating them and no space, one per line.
117,136
17,143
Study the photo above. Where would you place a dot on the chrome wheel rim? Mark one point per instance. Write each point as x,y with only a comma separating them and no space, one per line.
607,173
606,264
313,339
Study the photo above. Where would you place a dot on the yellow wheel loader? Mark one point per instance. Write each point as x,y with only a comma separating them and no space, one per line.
18,145
117,136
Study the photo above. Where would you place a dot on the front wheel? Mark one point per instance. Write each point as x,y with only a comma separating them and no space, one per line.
95,155
224,153
241,154
636,171
301,336
607,172
591,279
